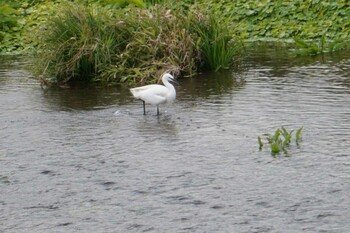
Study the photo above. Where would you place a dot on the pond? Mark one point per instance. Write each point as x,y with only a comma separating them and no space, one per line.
88,160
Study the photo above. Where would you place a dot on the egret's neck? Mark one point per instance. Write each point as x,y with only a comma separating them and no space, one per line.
166,82
172,92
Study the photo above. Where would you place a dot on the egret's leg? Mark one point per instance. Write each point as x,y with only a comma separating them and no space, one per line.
157,110
144,107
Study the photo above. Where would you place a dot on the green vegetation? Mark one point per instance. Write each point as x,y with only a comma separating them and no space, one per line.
132,45
8,26
314,27
217,46
285,19
77,43
280,140
133,41
320,46
21,22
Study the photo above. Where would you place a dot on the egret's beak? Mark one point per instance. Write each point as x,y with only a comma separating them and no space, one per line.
173,80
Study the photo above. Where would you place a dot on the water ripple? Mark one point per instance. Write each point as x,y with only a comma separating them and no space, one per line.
88,160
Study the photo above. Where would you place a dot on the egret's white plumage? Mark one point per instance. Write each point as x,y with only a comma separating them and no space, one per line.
156,94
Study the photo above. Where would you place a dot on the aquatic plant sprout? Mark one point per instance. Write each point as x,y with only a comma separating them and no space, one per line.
280,141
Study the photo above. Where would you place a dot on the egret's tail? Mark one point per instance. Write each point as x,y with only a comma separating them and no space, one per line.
135,91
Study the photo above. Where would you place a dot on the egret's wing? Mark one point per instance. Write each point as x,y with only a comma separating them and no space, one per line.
152,94
154,99
137,92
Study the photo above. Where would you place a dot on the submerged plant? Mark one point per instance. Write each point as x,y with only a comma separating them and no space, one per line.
280,140
320,46
298,137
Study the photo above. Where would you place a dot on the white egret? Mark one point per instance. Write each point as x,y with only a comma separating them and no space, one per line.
156,94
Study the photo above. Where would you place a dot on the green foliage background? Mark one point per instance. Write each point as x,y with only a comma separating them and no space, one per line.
285,19
253,20
21,22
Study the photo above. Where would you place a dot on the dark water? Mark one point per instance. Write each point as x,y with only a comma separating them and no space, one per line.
87,160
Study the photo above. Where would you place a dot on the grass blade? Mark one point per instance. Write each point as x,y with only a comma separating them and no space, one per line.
298,134
261,144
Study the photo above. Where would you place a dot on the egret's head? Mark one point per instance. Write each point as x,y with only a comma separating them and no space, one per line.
168,76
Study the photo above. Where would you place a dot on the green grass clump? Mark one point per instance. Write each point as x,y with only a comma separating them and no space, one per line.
280,140
77,44
157,41
218,47
132,44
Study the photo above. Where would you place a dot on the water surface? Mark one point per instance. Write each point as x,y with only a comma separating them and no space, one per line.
87,160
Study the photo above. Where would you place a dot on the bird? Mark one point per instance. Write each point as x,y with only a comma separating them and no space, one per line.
156,94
